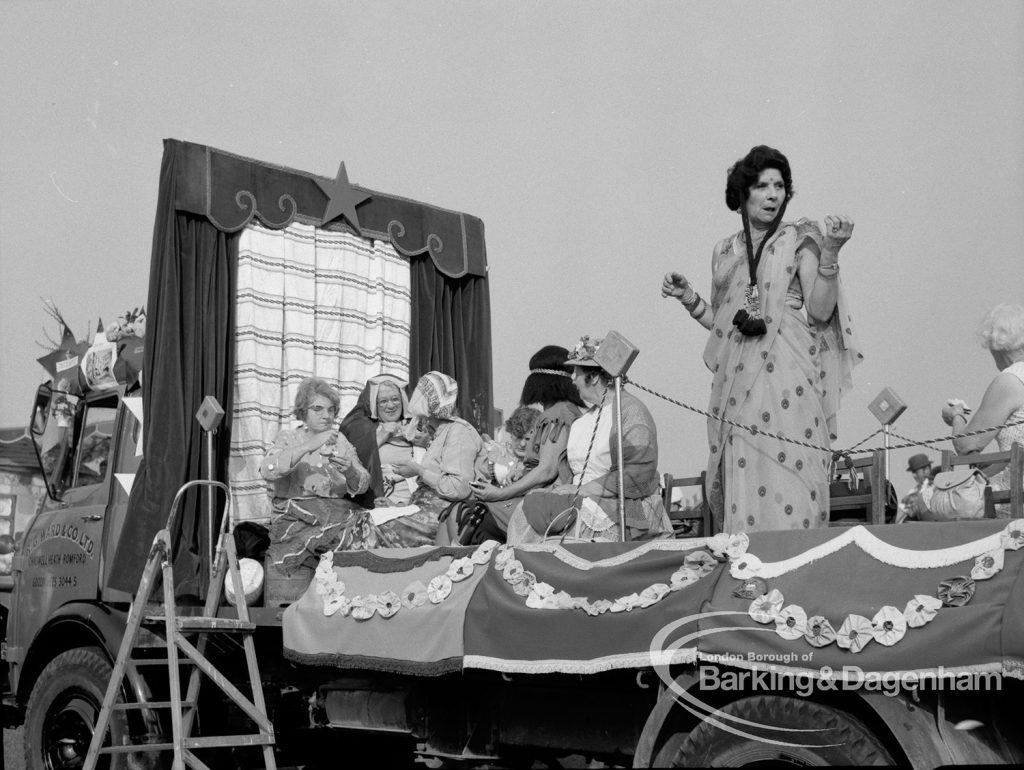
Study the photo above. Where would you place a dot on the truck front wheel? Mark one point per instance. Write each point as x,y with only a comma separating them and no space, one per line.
62,712
836,738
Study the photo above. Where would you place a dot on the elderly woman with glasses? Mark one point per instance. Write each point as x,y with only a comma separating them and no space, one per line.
313,470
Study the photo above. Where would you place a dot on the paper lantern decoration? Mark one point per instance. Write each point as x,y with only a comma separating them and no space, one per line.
251,573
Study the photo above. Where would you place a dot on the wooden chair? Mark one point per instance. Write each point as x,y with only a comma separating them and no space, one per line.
1014,458
683,520
866,501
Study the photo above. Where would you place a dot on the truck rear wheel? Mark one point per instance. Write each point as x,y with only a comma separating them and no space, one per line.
62,712
707,745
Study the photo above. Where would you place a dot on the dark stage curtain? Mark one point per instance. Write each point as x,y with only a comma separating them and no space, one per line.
191,312
451,333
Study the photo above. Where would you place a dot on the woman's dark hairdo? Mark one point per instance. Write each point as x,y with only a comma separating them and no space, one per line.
549,389
745,173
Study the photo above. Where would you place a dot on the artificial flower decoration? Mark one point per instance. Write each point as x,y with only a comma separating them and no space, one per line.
683,577
626,603
988,564
791,622
505,555
746,566
363,607
738,545
483,553
388,604
414,595
764,609
460,569
523,583
438,589
335,604
855,632
819,631
717,544
956,592
1012,538
653,594
921,610
751,588
890,626
586,348
701,561
513,569
539,595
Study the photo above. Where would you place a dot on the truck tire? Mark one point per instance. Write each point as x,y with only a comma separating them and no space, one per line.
62,712
707,745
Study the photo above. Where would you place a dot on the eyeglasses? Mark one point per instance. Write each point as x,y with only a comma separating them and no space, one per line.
318,409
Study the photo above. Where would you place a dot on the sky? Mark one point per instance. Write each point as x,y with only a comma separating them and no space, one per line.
591,137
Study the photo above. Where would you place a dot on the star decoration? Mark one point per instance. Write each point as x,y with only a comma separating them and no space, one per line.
62,363
342,199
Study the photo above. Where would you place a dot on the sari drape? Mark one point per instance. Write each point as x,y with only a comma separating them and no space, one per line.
787,382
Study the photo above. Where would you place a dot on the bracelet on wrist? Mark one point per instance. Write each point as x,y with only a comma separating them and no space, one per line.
828,271
692,304
698,312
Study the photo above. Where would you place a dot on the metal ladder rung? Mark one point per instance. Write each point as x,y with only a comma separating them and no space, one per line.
208,742
199,623
153,704
159,662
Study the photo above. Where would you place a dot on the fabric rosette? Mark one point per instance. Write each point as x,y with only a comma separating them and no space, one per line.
764,609
921,610
751,588
512,571
336,604
819,631
791,622
988,564
718,544
363,607
956,592
1012,538
683,577
890,626
701,562
524,583
414,595
855,632
483,553
626,603
439,588
540,596
505,555
460,569
653,594
745,566
388,603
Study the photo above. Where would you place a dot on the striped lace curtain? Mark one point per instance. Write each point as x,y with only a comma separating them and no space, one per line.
310,302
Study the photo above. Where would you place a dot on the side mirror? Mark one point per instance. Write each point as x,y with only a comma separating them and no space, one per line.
52,429
41,411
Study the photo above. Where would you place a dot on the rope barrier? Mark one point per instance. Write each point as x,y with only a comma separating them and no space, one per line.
756,431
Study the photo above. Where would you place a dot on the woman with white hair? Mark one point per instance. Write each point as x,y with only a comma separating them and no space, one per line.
1002,332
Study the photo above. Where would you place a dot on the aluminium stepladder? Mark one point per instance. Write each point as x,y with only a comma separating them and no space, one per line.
176,629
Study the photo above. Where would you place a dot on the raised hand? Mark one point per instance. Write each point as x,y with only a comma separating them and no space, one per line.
675,285
838,230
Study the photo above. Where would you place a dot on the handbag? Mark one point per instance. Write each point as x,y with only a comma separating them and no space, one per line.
959,494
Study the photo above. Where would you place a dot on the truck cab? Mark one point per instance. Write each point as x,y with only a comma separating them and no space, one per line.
88,451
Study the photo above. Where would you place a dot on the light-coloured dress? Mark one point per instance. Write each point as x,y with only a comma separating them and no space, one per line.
786,382
1006,437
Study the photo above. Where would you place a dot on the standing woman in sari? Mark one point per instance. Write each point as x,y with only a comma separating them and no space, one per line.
781,350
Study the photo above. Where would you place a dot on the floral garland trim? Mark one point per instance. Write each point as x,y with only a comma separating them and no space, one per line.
889,625
542,596
331,588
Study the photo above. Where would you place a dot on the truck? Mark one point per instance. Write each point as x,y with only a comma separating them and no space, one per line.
663,653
